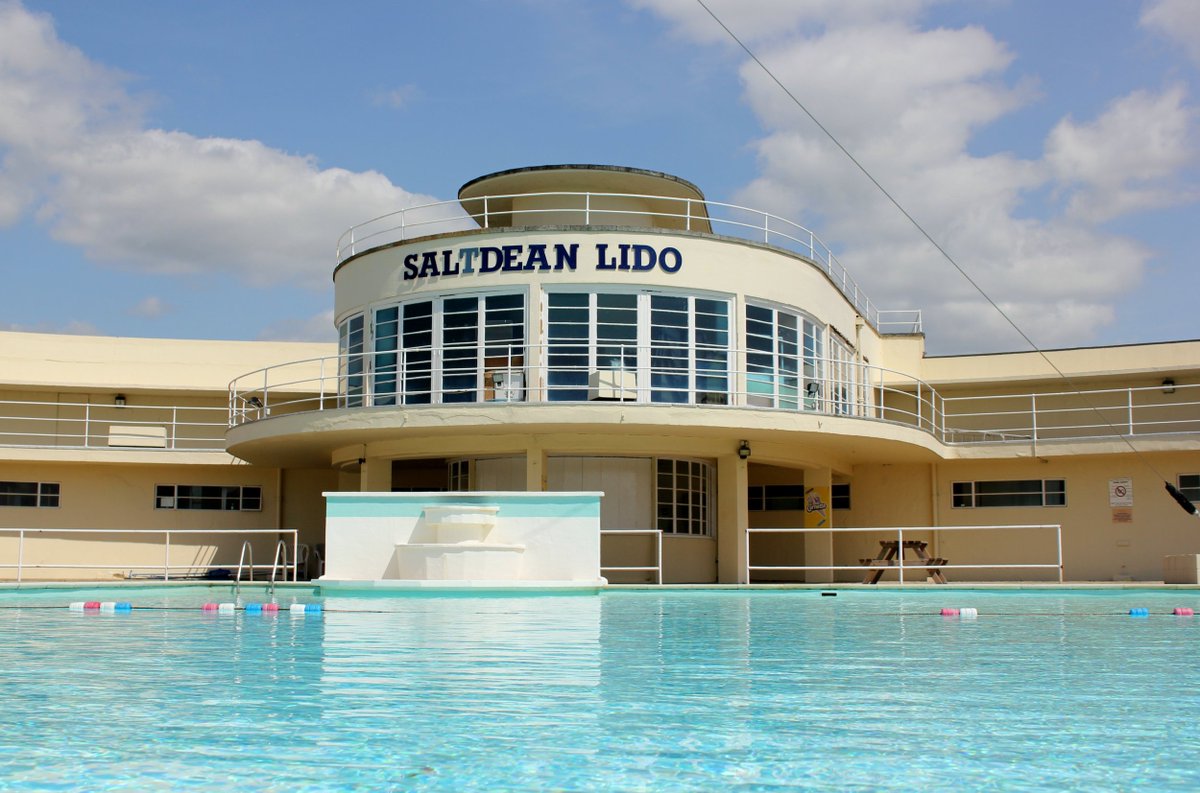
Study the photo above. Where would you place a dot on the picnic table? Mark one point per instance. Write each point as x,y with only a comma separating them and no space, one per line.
890,555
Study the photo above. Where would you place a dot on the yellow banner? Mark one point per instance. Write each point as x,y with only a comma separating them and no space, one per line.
817,512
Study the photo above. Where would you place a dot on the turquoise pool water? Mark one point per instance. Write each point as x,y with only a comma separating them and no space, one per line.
620,691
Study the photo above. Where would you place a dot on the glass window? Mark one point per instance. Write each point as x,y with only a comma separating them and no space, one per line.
452,349
637,345
785,367
683,497
1189,485
229,498
1010,493
459,472
29,494
839,495
351,363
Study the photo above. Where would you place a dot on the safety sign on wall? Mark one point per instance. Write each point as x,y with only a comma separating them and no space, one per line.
1120,492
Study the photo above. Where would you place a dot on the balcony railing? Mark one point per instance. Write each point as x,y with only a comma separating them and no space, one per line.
707,377
571,208
89,425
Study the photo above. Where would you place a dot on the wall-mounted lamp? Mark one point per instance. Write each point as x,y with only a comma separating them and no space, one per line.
744,450
255,403
1168,386
119,400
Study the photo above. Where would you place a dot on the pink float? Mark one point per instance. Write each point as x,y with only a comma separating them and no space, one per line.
1183,611
949,612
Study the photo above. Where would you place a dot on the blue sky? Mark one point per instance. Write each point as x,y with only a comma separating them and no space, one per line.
184,170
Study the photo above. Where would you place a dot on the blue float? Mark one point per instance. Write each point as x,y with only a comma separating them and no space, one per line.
1139,612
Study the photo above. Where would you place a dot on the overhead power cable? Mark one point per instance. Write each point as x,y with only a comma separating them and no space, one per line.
1179,497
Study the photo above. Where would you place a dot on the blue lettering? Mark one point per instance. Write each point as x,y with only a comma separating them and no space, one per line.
564,255
410,267
624,265
675,260
642,264
512,259
468,257
428,264
601,253
449,267
490,259
537,258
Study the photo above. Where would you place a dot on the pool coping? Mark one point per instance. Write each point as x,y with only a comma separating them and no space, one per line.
576,587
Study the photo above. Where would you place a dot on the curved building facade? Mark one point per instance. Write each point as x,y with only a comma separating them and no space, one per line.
748,413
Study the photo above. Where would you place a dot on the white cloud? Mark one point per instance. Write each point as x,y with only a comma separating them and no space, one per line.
397,98
73,327
1178,21
162,201
907,103
151,308
1127,159
318,327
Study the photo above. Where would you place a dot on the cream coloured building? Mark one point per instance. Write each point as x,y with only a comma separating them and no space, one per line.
712,369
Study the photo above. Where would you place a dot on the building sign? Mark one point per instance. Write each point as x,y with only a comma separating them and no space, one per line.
537,257
1120,492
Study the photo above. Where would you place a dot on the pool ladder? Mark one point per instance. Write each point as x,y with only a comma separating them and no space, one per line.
279,562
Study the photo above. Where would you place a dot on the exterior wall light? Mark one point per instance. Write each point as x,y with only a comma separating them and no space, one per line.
744,450
119,400
1168,386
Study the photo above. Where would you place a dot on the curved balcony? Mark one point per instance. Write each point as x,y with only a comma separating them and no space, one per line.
625,210
714,378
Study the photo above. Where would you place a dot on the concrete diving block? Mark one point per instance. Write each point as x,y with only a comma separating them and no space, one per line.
459,523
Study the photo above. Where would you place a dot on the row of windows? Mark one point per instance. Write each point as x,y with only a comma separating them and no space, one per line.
232,498
227,498
1011,493
29,494
643,345
774,498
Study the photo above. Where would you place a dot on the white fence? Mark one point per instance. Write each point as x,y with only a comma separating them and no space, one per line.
167,566
899,563
656,568
91,425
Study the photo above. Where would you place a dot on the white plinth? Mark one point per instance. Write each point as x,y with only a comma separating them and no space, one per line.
435,561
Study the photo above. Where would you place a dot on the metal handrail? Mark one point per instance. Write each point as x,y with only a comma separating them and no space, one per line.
687,213
246,547
796,383
91,425
899,564
166,567
656,568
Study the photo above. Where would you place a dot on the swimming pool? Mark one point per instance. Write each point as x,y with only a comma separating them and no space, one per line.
695,690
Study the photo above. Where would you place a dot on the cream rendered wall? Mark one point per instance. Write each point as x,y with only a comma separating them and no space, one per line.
882,495
303,504
1094,547
121,496
118,364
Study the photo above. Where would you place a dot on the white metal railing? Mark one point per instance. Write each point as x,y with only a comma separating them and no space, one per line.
709,377
166,566
91,425
1062,415
656,568
585,208
899,563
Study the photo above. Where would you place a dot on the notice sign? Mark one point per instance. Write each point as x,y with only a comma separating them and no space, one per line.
1122,515
1120,492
